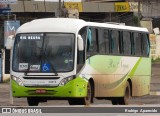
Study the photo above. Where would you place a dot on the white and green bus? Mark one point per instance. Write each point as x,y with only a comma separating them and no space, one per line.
62,58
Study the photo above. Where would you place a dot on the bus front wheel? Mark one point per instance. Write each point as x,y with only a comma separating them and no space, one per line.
89,97
83,101
32,101
114,102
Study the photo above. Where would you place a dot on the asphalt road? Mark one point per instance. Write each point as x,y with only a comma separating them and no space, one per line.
152,99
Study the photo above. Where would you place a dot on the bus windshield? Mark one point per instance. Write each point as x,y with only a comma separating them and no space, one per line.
43,52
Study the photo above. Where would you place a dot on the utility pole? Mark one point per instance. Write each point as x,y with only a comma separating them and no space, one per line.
45,5
60,8
24,6
139,12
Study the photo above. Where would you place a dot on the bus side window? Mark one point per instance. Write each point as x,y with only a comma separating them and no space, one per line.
137,43
115,36
89,39
103,39
126,44
92,42
132,45
145,45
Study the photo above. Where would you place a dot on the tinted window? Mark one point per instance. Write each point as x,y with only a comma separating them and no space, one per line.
83,33
115,41
145,45
81,54
137,43
103,41
126,44
92,41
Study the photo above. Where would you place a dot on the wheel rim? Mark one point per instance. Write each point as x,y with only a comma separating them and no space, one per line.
88,97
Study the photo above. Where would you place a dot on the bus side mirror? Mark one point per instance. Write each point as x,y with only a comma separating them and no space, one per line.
80,43
9,42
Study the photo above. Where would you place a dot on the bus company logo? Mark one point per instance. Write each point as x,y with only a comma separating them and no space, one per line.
35,67
6,110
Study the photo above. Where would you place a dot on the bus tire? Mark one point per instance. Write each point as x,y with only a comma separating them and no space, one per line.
83,101
114,102
75,101
125,100
32,101
88,99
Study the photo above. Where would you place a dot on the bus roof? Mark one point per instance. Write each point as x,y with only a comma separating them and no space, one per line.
67,25
115,26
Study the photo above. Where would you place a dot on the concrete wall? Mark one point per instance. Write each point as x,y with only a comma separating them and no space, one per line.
151,8
19,7
147,24
155,46
32,6
98,7
106,7
93,7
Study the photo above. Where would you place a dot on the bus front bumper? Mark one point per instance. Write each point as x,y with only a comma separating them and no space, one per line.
74,88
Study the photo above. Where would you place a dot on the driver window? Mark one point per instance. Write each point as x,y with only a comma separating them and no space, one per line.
81,54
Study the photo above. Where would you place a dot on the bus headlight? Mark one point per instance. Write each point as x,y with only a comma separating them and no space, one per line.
18,80
66,80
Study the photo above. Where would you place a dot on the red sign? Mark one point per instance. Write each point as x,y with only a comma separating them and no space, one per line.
41,91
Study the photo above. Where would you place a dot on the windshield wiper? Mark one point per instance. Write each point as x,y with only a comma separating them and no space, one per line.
26,72
44,57
52,67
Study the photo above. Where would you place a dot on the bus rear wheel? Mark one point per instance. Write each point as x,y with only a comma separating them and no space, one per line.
32,101
125,100
83,101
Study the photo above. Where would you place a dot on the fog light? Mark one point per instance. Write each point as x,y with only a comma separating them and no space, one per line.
66,80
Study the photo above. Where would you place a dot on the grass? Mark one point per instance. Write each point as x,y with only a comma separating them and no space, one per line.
156,60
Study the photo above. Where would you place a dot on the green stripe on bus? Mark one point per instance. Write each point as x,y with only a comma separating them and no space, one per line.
131,74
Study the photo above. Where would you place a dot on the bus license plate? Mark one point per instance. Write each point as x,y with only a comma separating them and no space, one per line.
40,91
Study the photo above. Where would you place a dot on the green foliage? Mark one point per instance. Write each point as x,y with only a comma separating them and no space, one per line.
156,60
136,20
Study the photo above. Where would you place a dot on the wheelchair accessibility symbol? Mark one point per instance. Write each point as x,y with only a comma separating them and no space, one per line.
46,67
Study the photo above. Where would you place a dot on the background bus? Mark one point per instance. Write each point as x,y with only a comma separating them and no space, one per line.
83,61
